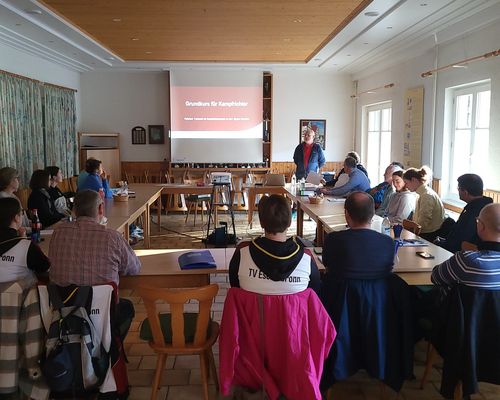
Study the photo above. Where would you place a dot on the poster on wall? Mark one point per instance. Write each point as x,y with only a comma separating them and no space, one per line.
413,118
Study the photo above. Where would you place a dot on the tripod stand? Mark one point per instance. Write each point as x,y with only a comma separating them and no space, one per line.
221,195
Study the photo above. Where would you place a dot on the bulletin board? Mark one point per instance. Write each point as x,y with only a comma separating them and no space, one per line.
413,118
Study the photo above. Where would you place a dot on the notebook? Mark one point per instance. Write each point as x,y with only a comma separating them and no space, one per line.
196,259
274,180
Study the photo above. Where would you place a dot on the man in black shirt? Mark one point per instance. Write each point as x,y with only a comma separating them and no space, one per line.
359,252
470,190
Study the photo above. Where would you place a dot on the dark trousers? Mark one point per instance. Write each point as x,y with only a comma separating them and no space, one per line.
125,313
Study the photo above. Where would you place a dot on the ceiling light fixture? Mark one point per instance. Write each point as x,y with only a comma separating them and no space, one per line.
365,43
134,39
116,20
460,64
297,21
34,12
149,52
389,27
110,58
317,59
423,4
371,14
372,91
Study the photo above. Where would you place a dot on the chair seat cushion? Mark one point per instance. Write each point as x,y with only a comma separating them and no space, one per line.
166,327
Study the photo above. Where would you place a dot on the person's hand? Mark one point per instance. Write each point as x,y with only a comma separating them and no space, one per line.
22,231
323,182
103,174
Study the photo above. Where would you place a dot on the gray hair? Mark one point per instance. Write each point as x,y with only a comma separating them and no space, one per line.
87,203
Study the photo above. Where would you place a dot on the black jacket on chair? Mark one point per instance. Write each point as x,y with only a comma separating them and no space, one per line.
467,337
374,325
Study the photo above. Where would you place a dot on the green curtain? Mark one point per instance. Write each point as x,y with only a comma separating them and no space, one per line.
25,105
21,125
60,131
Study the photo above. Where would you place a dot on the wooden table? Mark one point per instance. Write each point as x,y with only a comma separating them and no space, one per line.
255,190
160,268
121,214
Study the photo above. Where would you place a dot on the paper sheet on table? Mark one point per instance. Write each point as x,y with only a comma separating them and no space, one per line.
314,178
46,232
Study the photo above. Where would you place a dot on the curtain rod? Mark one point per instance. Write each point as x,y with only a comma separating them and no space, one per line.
388,86
466,61
35,80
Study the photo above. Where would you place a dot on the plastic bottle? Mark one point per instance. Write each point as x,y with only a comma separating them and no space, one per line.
101,195
386,226
36,226
294,181
302,186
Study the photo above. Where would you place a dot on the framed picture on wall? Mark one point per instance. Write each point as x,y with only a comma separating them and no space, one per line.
318,126
138,135
156,134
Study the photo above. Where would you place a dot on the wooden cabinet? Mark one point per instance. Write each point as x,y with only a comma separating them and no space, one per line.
267,99
104,147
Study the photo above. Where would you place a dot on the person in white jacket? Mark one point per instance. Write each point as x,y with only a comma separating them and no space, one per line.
402,203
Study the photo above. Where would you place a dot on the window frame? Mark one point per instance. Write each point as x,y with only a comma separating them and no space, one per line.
472,88
384,105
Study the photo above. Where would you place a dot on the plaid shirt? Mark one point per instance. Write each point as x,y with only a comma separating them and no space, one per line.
87,253
21,338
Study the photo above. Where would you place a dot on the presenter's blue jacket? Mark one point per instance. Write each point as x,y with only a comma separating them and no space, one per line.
316,160
95,182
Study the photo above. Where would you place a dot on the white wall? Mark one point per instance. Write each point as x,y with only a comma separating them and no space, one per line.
407,75
118,101
24,64
311,94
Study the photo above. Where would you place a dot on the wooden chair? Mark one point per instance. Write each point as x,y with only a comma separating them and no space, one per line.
468,246
196,201
22,195
412,226
182,341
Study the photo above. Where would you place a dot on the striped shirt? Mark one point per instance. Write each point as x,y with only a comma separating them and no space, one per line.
479,269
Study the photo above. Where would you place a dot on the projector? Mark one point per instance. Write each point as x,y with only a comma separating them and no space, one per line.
220,178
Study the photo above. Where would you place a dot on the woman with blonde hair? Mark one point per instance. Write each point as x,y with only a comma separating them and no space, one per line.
429,210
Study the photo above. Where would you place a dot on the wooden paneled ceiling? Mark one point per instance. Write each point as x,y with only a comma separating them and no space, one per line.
211,30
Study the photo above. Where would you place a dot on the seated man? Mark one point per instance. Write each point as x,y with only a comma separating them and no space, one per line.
86,253
481,268
341,252
470,190
273,264
341,174
358,181
20,258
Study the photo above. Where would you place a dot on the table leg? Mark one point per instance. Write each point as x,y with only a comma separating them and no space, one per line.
251,205
300,220
158,217
320,232
147,228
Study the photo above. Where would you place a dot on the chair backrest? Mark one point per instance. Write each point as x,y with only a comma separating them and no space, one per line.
468,246
412,226
194,177
176,298
467,327
23,195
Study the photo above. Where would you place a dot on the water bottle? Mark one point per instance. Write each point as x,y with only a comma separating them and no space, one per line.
302,187
386,226
36,226
294,181
101,195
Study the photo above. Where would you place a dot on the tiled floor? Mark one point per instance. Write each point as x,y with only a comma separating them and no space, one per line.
181,377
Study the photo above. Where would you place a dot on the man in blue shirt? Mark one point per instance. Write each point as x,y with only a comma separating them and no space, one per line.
358,181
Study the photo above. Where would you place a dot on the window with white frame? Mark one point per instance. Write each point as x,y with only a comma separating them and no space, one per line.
377,140
470,131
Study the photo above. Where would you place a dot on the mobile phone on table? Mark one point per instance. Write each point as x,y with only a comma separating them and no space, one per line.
425,255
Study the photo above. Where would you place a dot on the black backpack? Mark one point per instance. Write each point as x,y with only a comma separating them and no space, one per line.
76,361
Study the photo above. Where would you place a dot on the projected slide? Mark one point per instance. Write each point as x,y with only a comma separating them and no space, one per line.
216,116
216,113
